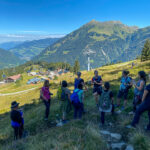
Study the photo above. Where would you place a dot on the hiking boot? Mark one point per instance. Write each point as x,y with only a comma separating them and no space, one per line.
130,127
59,124
46,119
146,128
122,108
101,125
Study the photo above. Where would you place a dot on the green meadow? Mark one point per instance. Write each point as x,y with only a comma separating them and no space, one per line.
77,134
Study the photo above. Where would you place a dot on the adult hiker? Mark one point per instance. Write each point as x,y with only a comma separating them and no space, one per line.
97,86
139,89
126,84
143,107
106,102
65,100
77,99
17,121
46,97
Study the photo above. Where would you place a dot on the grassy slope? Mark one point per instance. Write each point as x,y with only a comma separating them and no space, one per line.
77,135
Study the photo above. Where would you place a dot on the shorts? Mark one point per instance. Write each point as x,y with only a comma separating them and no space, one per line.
123,93
98,90
63,106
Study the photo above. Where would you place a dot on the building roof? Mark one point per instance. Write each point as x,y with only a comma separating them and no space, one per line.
15,77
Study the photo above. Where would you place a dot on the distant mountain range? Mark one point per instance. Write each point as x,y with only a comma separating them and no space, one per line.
9,45
111,41
15,53
27,50
8,59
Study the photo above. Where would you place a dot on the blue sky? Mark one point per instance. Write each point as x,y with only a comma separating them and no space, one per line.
64,16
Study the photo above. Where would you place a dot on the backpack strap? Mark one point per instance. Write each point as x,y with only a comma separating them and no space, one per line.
77,91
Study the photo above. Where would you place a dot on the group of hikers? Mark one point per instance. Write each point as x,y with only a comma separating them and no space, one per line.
104,99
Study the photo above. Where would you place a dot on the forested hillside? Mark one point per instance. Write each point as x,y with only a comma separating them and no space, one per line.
8,59
29,49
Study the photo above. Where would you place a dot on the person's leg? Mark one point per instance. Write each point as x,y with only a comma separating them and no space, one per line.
95,93
21,128
47,105
119,98
125,98
16,133
134,104
138,113
102,117
148,126
80,110
64,116
75,111
113,109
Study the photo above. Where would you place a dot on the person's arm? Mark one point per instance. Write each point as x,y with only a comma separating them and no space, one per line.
141,86
84,85
92,81
112,97
18,117
144,95
101,82
69,94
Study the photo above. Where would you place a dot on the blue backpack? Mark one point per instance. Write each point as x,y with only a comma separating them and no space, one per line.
74,97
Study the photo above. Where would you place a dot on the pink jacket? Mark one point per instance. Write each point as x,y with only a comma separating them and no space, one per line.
46,93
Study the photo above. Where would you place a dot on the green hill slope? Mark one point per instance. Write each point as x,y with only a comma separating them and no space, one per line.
30,49
8,59
112,41
77,134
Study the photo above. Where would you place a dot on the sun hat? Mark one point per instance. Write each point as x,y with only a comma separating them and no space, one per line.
14,104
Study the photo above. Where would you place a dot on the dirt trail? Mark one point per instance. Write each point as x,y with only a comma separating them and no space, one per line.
20,92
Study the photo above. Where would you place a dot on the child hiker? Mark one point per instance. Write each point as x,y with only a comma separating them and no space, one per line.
46,97
105,102
78,81
17,121
126,84
65,100
77,99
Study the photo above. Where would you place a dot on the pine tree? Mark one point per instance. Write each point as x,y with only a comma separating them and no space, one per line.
76,67
145,55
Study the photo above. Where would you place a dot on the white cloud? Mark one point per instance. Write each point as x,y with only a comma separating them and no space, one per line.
27,37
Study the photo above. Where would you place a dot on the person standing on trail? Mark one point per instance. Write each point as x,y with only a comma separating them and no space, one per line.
97,86
78,81
77,100
65,100
143,107
17,121
139,89
126,84
106,102
46,97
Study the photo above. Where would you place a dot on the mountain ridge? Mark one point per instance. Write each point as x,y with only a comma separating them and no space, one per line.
29,49
8,59
112,38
